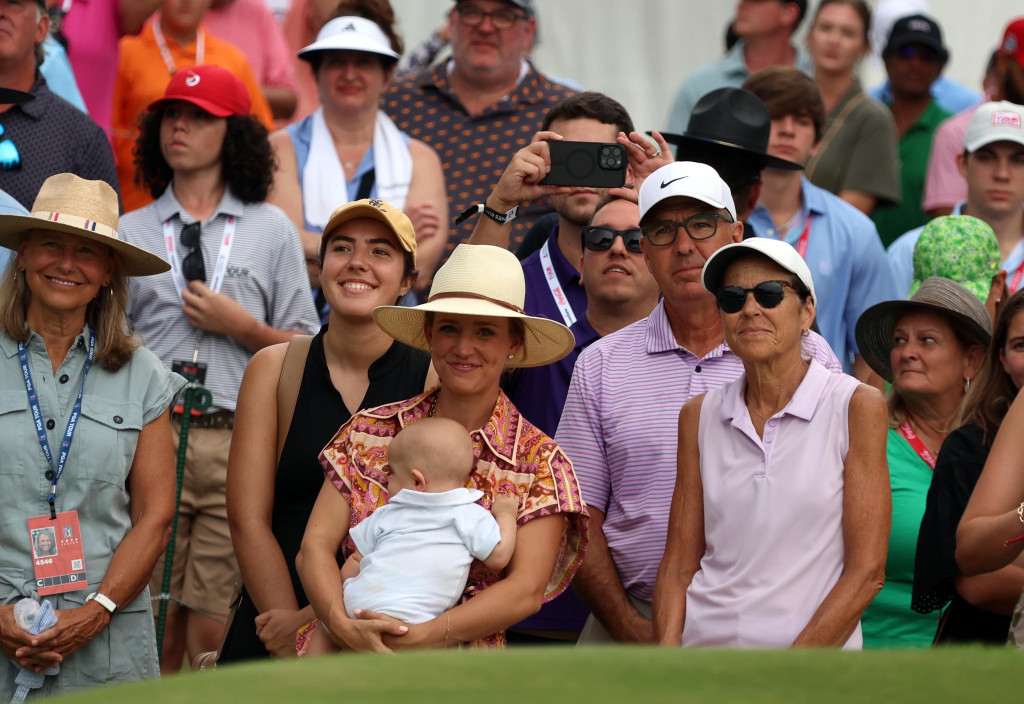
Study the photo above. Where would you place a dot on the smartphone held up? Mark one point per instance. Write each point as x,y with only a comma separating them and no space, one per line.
588,164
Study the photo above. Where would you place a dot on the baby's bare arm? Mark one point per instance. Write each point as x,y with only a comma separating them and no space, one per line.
351,567
504,509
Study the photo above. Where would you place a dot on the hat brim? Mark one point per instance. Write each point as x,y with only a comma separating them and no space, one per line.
546,340
354,212
134,261
207,105
766,160
350,43
876,325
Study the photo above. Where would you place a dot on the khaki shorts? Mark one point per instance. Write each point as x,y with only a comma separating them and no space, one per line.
205,568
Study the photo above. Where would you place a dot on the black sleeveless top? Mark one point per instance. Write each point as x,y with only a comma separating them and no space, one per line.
319,411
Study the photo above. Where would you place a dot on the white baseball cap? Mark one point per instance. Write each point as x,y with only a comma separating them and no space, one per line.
685,179
352,34
782,253
994,122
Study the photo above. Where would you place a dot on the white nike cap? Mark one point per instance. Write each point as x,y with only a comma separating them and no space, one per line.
685,179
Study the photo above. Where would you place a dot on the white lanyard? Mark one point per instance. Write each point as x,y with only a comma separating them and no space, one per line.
222,257
561,300
165,52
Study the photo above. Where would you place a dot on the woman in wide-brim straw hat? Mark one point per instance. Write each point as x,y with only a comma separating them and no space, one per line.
474,327
68,361
929,348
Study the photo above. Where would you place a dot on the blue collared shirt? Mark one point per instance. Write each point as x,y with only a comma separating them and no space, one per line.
730,71
950,95
847,262
901,257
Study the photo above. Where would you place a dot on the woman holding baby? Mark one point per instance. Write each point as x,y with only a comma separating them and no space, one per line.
474,327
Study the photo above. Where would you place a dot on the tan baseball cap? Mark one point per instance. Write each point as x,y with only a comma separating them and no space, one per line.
375,209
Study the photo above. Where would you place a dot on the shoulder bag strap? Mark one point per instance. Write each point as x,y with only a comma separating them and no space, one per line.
833,130
288,385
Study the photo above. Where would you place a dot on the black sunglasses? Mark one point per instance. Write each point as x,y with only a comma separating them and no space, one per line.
768,294
597,238
193,266
925,53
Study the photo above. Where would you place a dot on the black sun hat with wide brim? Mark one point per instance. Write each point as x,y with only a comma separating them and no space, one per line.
735,120
946,297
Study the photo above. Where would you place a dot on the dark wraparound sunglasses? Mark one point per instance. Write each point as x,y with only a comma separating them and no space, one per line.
193,266
598,239
768,294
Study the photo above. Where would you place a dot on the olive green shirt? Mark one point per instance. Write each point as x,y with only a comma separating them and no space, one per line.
115,407
858,149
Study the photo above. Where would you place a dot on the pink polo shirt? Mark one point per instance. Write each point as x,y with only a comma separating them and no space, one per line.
773,514
93,28
250,25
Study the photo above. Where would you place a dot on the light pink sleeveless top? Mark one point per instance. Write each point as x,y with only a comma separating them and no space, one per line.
773,514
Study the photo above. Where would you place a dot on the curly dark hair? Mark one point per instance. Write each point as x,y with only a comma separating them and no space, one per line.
246,156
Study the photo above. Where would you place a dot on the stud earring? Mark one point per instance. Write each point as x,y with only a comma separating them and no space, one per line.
511,356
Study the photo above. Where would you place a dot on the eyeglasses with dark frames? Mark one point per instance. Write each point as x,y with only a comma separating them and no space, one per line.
699,227
473,16
598,238
193,266
768,294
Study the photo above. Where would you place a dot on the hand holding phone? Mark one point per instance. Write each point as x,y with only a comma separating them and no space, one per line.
588,164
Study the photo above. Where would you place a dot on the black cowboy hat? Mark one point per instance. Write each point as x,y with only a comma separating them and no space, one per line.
736,120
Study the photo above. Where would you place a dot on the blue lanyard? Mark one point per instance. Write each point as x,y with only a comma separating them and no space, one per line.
37,416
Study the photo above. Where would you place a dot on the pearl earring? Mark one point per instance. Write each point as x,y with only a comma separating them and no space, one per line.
511,356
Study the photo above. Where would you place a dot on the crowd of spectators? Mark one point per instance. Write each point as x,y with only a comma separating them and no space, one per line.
760,393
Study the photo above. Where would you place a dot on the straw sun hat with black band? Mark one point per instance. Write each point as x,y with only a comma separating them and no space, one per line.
960,307
68,203
480,280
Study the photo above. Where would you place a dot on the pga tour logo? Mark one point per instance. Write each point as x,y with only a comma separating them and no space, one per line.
1006,118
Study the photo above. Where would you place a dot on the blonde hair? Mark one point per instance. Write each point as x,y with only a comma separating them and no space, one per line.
105,314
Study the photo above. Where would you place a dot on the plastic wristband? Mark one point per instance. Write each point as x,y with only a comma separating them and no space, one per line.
502,218
103,601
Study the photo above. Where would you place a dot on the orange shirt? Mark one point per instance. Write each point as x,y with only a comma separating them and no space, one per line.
142,77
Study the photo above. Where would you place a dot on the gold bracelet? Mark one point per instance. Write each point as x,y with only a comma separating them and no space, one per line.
447,627
1020,512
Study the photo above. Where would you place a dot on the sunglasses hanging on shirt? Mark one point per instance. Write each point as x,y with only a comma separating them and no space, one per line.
10,157
193,266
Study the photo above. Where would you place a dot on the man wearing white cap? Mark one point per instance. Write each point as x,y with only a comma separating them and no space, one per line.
993,164
621,417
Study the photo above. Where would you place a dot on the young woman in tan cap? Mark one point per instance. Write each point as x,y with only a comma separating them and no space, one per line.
86,442
367,259
474,326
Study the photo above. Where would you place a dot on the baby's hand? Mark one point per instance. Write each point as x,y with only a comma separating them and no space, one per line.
505,505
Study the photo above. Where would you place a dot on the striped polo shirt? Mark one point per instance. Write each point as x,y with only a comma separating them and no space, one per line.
620,428
266,275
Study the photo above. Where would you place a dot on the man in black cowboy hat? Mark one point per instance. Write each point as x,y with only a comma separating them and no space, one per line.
729,131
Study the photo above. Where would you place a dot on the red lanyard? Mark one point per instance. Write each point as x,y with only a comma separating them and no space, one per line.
1017,276
915,442
801,244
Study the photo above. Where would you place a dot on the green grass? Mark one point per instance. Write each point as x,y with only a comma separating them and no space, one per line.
613,674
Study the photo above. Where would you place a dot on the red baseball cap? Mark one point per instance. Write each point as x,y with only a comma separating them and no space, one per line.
1013,40
214,89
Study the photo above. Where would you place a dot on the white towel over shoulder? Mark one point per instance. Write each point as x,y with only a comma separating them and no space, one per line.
323,179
